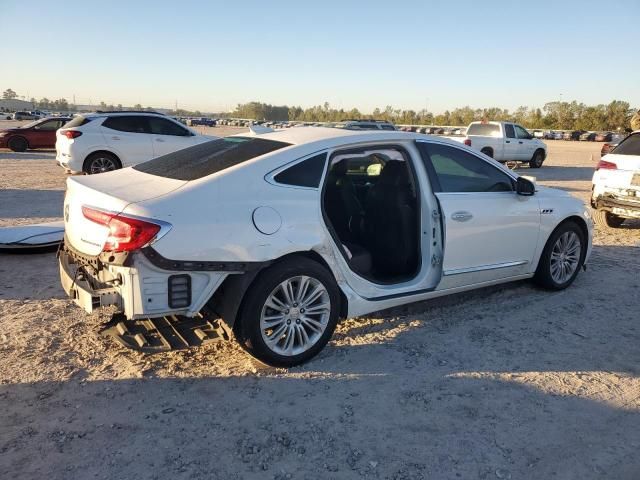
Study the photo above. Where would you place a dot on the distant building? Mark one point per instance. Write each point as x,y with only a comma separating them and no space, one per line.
14,105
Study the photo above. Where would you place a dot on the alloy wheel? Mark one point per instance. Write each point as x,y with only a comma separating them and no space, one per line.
565,257
102,164
295,315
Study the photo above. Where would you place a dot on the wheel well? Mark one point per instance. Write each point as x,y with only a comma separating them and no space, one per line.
92,154
13,137
487,149
227,300
544,155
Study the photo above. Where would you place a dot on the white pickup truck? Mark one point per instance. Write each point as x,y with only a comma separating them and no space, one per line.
506,141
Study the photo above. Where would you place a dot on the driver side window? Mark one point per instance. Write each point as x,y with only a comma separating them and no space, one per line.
521,132
457,171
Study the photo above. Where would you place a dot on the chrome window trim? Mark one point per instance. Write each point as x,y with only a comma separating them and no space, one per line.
483,268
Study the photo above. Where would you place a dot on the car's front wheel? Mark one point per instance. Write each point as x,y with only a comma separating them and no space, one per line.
602,218
562,257
289,313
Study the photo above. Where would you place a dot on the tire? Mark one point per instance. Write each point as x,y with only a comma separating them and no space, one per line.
18,144
487,151
101,162
605,219
558,251
288,348
537,160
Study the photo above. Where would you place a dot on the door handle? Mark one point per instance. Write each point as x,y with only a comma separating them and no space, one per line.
507,141
159,140
461,216
520,143
115,138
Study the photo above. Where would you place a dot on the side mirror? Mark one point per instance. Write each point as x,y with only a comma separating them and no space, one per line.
525,187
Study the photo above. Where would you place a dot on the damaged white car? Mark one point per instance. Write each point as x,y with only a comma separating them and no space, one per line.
281,234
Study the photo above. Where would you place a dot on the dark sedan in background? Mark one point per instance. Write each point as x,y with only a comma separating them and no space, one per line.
38,134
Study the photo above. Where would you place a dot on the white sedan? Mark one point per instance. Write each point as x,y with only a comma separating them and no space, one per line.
103,141
283,233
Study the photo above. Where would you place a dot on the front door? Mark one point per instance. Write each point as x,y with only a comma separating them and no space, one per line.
510,143
526,143
491,232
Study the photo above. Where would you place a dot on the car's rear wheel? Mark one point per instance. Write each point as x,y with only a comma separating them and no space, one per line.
289,313
537,160
562,257
602,218
101,162
487,151
18,144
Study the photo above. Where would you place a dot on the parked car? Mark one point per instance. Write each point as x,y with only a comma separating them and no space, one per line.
603,137
538,134
24,116
394,229
367,125
588,137
558,136
202,121
105,141
573,135
37,134
616,184
506,141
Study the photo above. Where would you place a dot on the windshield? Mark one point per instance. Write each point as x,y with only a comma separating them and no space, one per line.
484,129
208,158
30,124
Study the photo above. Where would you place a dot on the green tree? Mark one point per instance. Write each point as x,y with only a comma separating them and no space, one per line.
9,94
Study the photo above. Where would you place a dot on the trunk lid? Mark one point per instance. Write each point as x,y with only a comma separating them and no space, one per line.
111,191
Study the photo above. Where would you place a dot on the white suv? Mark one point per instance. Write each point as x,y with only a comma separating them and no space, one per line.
104,141
616,184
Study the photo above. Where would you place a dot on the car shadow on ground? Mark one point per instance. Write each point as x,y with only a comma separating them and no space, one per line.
28,155
18,203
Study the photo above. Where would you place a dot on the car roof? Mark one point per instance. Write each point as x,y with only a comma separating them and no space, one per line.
107,113
336,136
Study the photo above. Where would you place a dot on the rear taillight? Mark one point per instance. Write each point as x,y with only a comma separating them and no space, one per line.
126,234
467,142
604,165
72,133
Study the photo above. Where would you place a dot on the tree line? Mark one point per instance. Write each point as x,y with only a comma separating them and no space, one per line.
554,115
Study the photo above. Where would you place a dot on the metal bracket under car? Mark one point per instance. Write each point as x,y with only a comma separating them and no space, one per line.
153,335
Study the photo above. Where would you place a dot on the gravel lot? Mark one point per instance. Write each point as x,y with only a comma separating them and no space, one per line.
507,382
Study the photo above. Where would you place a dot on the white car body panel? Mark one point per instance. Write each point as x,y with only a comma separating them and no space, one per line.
212,220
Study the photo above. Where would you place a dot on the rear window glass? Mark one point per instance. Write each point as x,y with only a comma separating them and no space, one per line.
484,129
77,121
208,158
630,146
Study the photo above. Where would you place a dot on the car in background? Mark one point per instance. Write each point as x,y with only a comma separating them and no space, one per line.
505,142
104,141
572,135
558,135
588,137
366,125
232,229
37,134
202,121
608,146
537,133
616,184
603,137
22,115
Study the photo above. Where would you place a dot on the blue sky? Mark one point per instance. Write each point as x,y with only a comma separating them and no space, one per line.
409,54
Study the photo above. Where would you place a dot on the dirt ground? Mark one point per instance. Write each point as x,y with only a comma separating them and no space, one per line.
507,382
